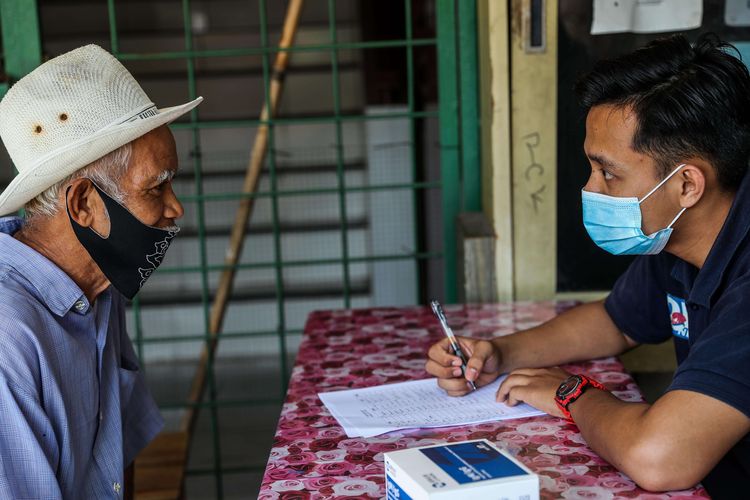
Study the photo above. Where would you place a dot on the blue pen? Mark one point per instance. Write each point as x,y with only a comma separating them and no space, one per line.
438,310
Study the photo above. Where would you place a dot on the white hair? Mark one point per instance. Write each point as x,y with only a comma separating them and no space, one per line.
106,172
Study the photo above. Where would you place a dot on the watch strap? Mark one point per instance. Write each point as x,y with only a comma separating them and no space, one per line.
585,383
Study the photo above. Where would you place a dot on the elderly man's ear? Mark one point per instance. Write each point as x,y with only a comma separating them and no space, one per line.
86,207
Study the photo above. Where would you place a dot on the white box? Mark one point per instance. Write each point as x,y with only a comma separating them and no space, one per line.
468,469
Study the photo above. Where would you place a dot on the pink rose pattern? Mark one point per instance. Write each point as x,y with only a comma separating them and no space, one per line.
312,457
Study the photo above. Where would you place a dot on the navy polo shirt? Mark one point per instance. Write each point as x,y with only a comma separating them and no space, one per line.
706,313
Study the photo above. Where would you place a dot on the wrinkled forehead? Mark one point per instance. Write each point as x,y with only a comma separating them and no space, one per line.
154,156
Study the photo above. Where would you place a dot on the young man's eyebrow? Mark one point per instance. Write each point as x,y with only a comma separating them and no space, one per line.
601,160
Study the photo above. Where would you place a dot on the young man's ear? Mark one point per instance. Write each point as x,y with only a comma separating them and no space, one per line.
693,184
86,207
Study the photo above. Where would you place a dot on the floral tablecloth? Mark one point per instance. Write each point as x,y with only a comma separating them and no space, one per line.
312,457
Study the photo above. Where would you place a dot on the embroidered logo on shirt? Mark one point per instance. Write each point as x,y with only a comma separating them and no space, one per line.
678,316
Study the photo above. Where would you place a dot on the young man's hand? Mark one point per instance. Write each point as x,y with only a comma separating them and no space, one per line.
534,386
483,365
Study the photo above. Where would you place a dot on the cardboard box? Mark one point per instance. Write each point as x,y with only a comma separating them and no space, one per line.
468,469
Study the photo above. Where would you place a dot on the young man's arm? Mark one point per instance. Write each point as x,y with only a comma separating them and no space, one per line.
582,333
670,445
579,334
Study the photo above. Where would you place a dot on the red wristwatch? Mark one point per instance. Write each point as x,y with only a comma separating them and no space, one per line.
571,389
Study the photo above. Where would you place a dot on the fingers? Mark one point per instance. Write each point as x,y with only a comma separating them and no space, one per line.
513,381
482,351
446,366
517,395
441,353
455,386
437,370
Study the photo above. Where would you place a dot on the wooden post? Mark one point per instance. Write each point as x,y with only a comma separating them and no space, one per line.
497,188
476,259
518,67
533,56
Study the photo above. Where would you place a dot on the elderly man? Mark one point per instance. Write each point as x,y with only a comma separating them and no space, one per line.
95,160
668,140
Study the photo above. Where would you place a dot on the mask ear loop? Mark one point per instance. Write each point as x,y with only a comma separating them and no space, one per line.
677,217
661,184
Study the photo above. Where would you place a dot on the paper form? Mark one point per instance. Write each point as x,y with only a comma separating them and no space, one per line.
420,403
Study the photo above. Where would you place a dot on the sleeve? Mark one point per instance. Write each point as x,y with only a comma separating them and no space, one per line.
638,302
718,364
28,447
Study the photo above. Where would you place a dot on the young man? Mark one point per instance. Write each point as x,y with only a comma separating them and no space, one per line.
668,139
95,160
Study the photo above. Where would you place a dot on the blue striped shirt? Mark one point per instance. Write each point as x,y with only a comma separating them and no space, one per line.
74,408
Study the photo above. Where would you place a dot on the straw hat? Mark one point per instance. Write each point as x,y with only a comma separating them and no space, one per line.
68,112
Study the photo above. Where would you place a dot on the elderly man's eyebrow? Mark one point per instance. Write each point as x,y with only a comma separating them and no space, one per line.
164,175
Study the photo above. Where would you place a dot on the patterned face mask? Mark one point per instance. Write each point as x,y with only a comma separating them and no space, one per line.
131,252
614,223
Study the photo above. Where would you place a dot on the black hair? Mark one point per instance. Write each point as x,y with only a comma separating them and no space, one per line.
688,101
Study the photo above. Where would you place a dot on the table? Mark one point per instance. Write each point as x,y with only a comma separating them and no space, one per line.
312,457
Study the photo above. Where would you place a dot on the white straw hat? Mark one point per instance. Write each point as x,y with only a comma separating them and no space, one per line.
68,112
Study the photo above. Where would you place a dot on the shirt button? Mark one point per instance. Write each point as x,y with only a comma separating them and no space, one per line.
80,305
694,307
116,487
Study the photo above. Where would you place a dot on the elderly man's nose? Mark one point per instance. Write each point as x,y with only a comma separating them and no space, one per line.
174,209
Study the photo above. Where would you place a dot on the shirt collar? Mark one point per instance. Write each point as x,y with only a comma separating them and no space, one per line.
49,283
732,233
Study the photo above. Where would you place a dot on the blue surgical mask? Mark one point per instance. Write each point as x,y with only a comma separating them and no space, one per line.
614,223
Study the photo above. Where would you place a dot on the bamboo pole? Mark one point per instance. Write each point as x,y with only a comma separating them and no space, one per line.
239,229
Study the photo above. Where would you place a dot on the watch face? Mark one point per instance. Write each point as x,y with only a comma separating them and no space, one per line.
569,386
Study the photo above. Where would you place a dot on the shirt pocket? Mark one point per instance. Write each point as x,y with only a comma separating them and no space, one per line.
128,372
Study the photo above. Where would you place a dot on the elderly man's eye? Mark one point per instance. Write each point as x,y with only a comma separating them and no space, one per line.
607,176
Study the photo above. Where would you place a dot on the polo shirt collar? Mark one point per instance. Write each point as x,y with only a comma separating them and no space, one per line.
732,233
49,283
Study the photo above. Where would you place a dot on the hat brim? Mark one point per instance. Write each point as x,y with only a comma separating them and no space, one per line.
28,185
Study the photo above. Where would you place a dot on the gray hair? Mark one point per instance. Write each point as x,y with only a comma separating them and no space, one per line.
106,172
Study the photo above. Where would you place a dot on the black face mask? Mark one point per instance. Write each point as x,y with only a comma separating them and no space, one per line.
130,253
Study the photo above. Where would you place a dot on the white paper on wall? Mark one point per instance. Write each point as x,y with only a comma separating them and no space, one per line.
646,16
737,13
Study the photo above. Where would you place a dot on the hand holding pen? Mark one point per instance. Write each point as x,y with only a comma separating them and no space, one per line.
438,310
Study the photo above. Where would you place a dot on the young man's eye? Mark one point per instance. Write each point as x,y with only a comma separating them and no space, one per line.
607,176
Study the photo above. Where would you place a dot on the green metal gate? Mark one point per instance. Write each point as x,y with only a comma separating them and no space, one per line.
456,46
